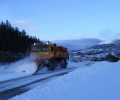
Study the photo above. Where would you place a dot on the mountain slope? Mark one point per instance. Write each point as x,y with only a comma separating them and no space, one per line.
78,43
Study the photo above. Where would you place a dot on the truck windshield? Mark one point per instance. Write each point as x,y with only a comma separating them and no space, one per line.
40,48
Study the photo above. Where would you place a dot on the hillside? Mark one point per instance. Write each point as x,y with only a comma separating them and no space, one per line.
97,52
77,44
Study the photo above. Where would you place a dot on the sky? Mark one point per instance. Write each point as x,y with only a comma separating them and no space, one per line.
64,19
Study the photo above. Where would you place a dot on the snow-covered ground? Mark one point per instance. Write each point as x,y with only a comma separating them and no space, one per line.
100,81
24,68
18,69
11,84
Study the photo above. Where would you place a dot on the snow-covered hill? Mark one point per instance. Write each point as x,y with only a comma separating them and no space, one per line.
97,52
78,43
116,41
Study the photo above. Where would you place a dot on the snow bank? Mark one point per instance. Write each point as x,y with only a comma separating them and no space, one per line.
20,68
72,64
101,81
26,66
10,75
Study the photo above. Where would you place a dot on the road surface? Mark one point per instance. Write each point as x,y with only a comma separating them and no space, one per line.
11,88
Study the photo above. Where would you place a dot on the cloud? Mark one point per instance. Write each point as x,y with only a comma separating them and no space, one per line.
27,25
106,33
109,35
22,22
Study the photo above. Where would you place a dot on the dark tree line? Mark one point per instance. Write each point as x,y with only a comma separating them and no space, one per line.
14,40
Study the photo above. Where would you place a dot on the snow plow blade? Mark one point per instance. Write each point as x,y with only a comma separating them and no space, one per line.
37,62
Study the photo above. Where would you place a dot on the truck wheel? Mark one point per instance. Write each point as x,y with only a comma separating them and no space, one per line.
63,64
51,65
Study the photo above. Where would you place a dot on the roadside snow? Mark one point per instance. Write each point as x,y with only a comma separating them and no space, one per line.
79,64
18,69
27,80
9,76
101,81
26,66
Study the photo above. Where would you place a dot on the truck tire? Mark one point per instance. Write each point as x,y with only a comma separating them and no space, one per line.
63,63
51,65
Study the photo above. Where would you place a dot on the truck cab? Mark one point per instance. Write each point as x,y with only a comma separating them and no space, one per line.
49,55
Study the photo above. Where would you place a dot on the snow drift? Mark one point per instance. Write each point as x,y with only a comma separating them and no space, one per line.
18,69
26,66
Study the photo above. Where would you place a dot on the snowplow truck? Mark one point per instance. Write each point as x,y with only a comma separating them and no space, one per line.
50,55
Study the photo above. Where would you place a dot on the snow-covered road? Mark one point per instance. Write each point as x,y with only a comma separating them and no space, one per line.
17,91
101,81
11,84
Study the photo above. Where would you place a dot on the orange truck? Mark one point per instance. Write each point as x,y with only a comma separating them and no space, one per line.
50,55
